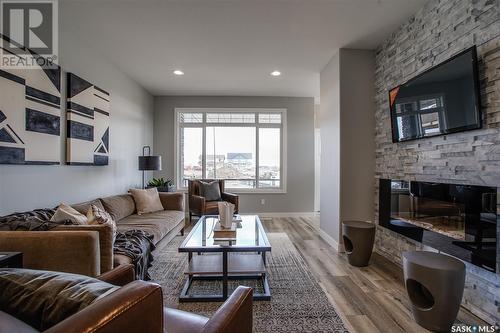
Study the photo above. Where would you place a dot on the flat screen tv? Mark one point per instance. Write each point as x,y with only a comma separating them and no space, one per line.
444,99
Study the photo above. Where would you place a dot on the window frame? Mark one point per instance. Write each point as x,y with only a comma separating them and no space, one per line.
283,143
440,110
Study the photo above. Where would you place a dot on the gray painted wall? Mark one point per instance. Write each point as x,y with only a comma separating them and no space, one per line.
347,129
300,167
131,125
329,120
437,32
357,154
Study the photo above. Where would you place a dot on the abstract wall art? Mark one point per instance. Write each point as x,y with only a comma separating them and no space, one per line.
30,113
87,123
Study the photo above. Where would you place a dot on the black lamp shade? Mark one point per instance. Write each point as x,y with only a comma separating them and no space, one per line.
149,163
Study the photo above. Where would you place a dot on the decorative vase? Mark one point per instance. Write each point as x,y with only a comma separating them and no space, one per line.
226,211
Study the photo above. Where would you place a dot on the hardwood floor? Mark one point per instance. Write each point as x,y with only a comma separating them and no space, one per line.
369,299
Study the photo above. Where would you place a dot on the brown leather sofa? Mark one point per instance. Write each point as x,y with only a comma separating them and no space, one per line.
88,249
137,307
199,206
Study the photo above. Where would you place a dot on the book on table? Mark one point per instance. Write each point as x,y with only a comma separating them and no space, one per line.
221,233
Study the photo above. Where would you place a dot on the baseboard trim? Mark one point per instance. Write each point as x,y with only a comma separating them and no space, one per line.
284,214
329,239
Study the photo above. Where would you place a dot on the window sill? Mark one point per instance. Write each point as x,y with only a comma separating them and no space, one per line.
246,191
257,191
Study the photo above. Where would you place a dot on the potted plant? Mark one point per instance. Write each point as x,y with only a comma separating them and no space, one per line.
162,185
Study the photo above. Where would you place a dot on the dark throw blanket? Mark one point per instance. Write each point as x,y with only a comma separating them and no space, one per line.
135,244
36,220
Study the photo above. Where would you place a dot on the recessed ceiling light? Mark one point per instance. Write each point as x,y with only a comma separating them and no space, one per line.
178,72
275,73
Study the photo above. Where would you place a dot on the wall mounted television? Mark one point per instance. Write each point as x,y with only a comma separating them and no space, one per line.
444,99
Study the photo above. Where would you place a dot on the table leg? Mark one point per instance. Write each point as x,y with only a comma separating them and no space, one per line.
264,257
224,275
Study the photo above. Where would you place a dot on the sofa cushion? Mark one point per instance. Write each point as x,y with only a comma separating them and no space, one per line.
83,207
212,207
157,224
119,206
9,323
65,213
97,215
146,201
210,190
42,298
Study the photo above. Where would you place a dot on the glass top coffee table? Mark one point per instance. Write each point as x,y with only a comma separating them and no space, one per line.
243,258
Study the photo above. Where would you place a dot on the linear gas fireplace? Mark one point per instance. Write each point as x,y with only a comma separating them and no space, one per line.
460,220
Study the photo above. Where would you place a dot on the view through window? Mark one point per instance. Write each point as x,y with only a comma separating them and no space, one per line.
243,146
423,117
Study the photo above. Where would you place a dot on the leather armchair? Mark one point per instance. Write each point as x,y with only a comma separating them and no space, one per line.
198,206
138,307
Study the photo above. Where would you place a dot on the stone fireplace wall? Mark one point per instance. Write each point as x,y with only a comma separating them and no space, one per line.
440,30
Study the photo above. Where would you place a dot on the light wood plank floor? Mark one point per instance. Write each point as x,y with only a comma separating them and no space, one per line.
369,299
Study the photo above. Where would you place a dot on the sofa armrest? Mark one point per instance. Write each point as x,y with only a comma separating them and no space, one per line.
179,321
235,315
172,201
197,204
232,198
105,241
134,308
63,251
119,276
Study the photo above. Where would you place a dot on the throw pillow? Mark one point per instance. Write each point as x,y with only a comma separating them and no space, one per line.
83,207
211,190
65,213
42,298
146,201
97,215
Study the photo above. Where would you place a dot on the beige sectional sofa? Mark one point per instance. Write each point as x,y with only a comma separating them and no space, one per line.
88,249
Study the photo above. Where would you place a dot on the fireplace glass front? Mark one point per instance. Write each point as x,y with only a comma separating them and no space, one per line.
460,220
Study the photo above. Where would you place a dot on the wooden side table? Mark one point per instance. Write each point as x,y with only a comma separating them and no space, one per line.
435,285
11,260
359,237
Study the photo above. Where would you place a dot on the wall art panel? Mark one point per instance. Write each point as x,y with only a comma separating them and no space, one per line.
30,113
87,123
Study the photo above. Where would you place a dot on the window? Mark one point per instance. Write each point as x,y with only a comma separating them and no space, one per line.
424,116
246,147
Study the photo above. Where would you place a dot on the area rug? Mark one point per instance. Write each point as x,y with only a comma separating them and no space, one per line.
298,304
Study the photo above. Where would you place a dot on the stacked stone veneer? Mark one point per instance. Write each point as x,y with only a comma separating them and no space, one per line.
438,31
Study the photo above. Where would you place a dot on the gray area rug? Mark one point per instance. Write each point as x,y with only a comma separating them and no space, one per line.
298,304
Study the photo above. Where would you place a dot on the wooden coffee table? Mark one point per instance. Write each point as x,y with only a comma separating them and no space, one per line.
241,259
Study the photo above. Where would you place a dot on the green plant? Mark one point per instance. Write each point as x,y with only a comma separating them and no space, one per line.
160,182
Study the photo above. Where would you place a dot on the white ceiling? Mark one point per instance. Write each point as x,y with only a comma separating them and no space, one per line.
230,47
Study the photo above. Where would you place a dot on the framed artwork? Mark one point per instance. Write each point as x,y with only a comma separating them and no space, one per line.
30,113
87,136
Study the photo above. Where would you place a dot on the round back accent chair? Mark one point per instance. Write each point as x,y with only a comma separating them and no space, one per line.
134,307
199,205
